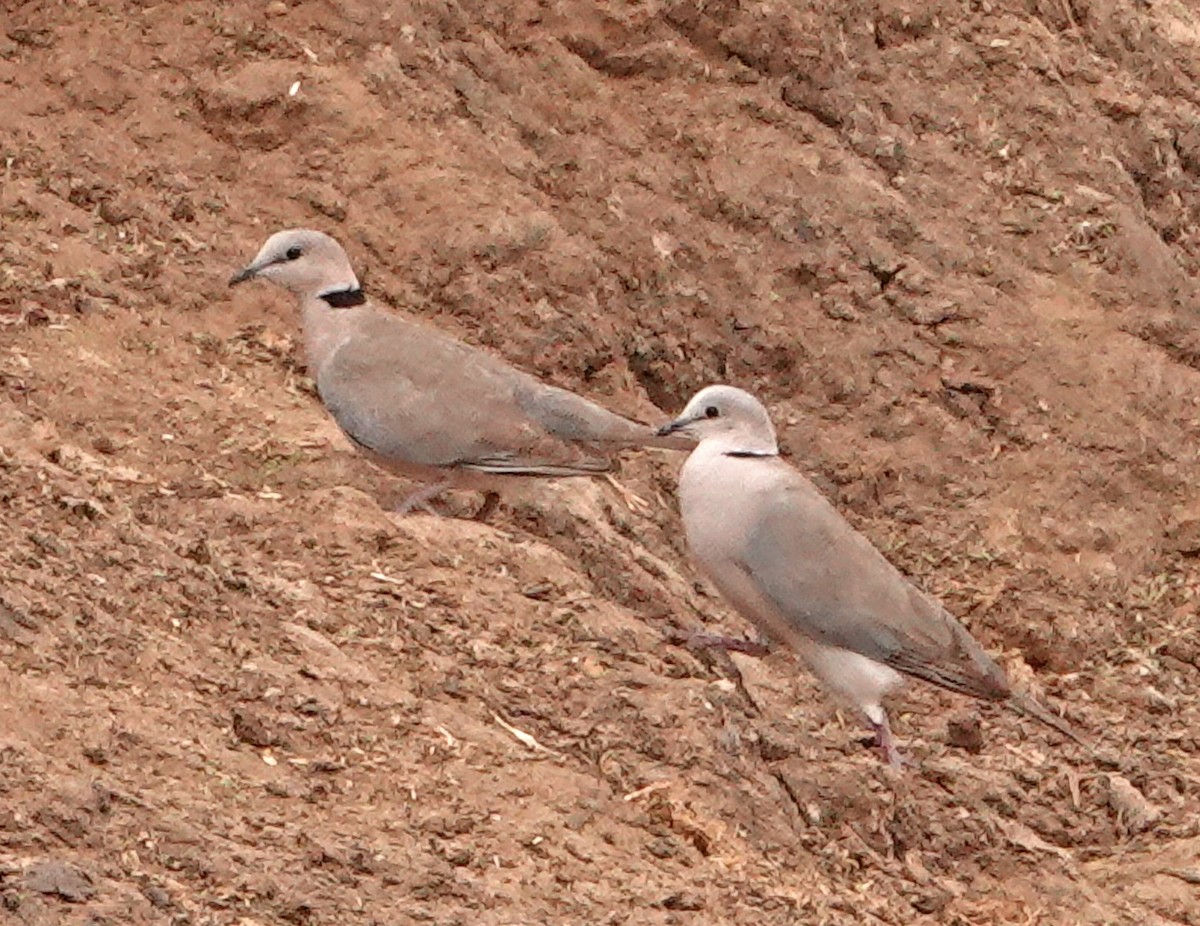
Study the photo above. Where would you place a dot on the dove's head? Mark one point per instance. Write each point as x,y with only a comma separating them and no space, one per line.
731,416
303,261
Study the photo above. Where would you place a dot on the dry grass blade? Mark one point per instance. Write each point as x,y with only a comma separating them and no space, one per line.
526,739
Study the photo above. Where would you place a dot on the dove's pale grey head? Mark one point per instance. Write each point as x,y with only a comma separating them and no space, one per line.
302,261
731,417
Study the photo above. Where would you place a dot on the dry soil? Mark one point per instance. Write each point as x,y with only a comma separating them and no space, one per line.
953,243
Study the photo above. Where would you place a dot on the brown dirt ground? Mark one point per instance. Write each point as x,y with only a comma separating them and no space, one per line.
953,242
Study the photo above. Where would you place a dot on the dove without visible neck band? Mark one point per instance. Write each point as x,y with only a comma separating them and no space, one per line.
791,564
424,404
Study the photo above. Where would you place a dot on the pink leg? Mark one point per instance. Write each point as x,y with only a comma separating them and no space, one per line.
700,640
421,499
887,744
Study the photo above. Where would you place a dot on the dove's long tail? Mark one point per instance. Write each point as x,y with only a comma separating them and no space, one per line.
1027,707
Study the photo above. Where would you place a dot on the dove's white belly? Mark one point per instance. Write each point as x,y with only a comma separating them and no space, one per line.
862,682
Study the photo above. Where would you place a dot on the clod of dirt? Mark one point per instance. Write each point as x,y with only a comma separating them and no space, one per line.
965,733
252,729
60,879
253,107
1184,537
1134,812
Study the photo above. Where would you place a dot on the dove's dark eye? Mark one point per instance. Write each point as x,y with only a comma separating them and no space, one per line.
293,253
712,412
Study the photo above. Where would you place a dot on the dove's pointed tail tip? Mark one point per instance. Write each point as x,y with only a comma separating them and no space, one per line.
1027,706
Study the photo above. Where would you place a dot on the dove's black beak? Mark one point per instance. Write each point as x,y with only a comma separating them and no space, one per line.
246,273
673,427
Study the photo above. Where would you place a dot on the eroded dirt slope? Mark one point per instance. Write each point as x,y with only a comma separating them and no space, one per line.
954,245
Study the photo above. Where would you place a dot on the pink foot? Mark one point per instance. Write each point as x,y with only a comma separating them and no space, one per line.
490,501
421,499
886,744
700,640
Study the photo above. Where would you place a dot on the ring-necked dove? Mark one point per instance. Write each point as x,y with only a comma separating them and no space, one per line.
424,404
790,563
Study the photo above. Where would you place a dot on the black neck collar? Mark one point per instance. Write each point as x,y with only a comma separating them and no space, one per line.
753,454
343,298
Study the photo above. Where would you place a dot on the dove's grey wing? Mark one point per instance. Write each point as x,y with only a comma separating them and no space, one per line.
570,417
415,395
831,584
